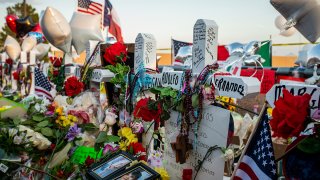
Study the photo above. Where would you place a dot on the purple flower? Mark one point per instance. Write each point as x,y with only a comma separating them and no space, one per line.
73,132
109,148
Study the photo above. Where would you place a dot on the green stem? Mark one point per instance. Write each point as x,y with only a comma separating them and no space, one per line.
40,171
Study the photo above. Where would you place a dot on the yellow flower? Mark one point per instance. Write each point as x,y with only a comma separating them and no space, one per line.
122,145
163,173
59,111
269,111
125,132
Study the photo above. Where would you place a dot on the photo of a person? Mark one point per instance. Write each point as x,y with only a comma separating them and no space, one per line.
137,174
111,166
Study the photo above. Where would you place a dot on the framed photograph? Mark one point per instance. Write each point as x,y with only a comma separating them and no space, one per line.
139,171
111,166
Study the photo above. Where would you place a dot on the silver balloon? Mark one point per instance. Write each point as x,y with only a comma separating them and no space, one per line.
252,47
84,28
183,55
12,48
235,48
313,56
56,29
302,14
303,55
28,43
41,50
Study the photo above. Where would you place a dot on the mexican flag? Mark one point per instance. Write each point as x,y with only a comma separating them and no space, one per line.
265,52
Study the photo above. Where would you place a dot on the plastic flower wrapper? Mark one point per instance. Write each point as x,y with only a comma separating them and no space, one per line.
155,159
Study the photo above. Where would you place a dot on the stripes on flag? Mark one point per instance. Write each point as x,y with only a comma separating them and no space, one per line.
258,161
42,84
89,7
111,19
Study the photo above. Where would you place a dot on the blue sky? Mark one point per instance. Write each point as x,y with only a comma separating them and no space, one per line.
238,21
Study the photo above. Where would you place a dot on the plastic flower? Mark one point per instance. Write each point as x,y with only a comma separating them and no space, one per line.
163,173
73,132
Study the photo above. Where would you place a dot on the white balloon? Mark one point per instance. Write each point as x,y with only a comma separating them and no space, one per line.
12,48
41,50
279,22
56,29
84,28
288,32
28,43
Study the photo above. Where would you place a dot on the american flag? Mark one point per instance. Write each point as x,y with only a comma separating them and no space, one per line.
42,84
89,7
177,45
111,20
258,161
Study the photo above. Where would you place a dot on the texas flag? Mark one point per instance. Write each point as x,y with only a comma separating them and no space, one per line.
111,20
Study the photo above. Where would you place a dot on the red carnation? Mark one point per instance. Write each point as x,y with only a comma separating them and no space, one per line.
9,61
138,149
115,51
16,75
73,86
142,110
56,62
289,115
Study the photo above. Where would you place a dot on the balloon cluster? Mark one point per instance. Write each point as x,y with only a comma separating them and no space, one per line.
78,32
245,52
309,56
31,34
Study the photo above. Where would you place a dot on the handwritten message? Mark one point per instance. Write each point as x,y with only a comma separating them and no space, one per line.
204,44
215,123
145,52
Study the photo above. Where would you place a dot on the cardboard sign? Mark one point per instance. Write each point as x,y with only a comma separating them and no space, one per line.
215,124
166,79
101,75
268,80
236,86
295,89
205,44
172,79
145,55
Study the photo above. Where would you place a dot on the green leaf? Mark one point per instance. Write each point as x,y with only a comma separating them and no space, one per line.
37,118
89,127
43,124
103,137
16,121
47,132
27,122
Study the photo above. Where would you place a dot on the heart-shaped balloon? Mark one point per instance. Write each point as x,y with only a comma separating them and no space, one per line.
24,25
11,22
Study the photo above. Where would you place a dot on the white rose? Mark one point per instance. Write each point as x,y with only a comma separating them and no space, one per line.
17,140
12,132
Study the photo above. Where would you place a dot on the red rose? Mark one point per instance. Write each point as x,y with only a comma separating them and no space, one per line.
138,149
289,115
55,73
56,62
89,161
115,50
16,75
142,111
73,86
